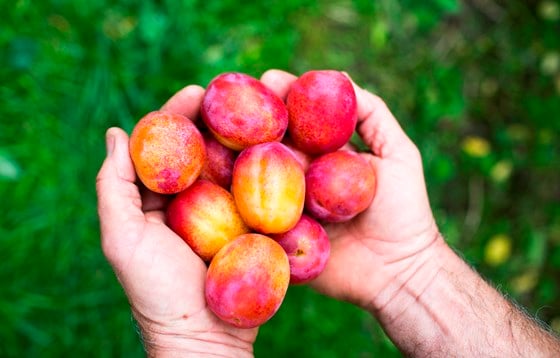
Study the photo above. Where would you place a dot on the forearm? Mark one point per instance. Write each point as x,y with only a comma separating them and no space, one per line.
438,306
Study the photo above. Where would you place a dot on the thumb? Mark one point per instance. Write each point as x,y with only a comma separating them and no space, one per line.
118,162
378,127
117,194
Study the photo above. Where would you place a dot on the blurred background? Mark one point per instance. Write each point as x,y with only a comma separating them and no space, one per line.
475,83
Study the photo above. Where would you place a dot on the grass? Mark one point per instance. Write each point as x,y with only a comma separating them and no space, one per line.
476,87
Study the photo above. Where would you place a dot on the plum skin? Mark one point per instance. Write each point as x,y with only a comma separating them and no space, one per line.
308,248
167,151
268,186
247,280
205,217
340,185
323,111
219,162
241,111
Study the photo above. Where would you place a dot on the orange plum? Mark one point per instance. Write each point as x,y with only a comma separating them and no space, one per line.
205,217
268,186
168,152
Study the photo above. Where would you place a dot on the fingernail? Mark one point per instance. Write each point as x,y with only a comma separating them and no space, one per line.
110,143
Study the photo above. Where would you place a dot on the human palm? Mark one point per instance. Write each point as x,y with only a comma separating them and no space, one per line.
385,239
381,242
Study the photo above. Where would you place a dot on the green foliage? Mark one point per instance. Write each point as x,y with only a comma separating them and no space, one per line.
475,84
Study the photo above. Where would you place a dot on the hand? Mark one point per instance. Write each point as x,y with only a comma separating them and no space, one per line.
392,261
387,239
162,277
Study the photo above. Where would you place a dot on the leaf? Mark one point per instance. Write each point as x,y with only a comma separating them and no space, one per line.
9,169
449,6
476,147
379,33
498,250
153,26
536,249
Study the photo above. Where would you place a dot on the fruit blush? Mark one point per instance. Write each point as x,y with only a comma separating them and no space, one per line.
247,280
268,186
323,111
340,185
168,152
205,217
308,248
241,111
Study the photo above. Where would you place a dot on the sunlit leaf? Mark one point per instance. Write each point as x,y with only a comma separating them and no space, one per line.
550,63
9,169
536,249
379,33
476,147
525,282
498,250
549,10
449,5
501,171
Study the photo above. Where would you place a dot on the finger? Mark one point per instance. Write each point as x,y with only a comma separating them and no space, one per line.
278,81
152,201
377,126
118,162
186,102
157,217
349,146
118,197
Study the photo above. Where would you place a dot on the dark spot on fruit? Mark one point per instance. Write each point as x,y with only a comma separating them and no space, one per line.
168,179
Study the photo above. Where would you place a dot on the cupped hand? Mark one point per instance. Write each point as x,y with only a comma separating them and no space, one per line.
162,277
388,238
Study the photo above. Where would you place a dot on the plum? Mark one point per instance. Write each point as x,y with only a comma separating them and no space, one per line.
322,110
168,152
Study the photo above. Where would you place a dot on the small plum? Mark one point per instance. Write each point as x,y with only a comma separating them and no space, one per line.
303,158
340,185
168,152
323,111
241,111
247,280
205,217
219,162
308,248
268,186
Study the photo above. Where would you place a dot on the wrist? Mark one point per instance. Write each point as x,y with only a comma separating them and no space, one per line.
421,304
182,346
187,337
439,306
412,276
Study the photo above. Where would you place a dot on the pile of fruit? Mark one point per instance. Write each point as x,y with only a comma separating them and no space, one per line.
254,182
